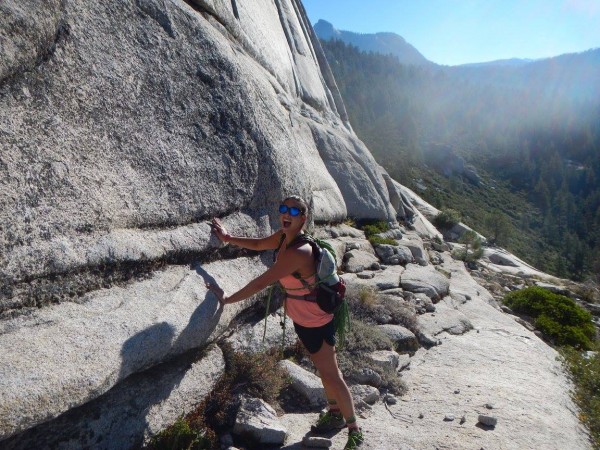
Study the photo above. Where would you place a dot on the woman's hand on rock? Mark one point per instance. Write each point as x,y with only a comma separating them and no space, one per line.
219,293
220,230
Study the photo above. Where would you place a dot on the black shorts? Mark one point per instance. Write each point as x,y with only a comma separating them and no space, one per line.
312,338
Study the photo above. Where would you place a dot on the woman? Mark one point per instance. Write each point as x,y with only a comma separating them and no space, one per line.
313,326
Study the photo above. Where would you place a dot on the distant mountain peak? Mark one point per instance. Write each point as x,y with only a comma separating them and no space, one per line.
325,27
384,42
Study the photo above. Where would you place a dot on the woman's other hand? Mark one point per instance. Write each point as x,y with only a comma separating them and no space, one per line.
219,293
220,230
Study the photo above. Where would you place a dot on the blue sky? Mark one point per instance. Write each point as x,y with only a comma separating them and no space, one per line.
465,31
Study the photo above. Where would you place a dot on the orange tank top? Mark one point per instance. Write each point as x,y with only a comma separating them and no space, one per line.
303,312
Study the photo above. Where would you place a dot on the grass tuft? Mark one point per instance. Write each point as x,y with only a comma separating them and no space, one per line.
257,375
373,229
585,372
182,436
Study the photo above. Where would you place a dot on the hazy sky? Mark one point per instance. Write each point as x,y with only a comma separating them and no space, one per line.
465,31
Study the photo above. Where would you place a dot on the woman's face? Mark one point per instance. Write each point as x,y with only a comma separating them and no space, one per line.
290,222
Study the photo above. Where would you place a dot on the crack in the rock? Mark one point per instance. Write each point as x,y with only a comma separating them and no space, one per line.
72,286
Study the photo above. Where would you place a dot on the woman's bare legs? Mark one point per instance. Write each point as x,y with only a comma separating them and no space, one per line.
335,387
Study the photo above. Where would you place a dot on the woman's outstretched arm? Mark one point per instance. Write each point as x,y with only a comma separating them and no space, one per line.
293,260
266,243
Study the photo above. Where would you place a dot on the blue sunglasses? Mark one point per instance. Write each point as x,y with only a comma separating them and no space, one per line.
291,209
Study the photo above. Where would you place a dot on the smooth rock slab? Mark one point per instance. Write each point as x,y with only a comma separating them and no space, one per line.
133,411
249,338
389,278
445,319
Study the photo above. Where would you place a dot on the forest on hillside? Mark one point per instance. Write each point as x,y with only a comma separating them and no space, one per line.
531,133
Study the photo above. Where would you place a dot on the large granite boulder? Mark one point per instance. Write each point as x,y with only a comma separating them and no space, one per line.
63,356
153,115
130,413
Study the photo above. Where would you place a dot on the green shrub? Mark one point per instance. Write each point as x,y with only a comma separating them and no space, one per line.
446,219
373,229
257,375
585,372
180,436
473,249
378,240
556,316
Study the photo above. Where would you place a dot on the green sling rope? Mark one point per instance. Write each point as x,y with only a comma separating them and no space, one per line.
267,312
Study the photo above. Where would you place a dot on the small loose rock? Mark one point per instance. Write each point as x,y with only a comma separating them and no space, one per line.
390,399
449,417
487,420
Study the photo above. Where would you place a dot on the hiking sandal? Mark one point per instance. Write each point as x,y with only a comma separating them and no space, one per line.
355,439
329,421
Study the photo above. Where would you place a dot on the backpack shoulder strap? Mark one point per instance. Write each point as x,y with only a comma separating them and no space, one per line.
279,246
302,239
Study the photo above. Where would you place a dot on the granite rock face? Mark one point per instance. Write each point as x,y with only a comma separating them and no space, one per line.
155,114
124,126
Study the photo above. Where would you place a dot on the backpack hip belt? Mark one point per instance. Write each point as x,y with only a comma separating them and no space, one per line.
308,297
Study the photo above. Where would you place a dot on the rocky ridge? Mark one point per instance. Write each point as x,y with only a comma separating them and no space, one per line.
477,378
469,365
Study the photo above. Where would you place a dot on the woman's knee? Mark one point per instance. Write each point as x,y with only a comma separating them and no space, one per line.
331,375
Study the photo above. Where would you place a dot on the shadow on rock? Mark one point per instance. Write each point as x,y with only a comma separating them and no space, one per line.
131,410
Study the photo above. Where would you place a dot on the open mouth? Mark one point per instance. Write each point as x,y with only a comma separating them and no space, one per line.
286,223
